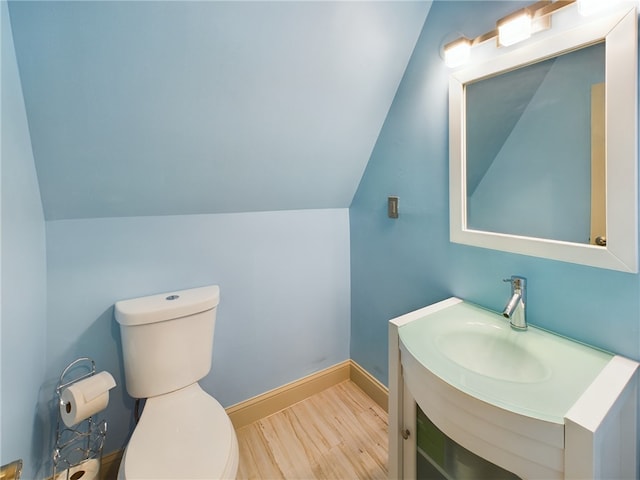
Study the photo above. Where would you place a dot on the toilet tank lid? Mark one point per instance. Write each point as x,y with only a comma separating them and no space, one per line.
166,306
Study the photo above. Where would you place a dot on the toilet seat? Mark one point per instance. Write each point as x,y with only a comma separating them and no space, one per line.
184,434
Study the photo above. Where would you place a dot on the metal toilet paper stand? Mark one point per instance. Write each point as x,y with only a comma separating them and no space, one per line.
78,449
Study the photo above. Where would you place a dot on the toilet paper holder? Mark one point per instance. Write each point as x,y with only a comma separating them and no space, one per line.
78,450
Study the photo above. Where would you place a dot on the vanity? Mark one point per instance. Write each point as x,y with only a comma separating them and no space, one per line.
533,403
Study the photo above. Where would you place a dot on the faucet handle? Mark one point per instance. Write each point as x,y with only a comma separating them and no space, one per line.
513,277
516,281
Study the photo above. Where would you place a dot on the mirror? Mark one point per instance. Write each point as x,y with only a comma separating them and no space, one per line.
507,115
540,163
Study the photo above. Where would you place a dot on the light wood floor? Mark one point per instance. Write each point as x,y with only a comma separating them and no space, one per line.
339,433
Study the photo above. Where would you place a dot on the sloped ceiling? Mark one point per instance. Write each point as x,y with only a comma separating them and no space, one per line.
180,107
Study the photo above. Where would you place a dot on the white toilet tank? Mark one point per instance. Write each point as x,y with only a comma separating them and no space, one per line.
167,339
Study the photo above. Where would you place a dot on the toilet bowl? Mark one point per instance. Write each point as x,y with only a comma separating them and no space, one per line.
183,432
181,435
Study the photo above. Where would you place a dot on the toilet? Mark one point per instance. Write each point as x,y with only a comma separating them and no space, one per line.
183,432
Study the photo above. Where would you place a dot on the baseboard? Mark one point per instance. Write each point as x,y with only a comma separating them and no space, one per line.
110,464
273,401
370,385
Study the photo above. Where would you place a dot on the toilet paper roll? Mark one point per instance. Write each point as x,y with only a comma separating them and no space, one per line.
87,397
87,470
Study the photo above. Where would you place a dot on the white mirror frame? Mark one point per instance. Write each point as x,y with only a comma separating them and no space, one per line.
619,31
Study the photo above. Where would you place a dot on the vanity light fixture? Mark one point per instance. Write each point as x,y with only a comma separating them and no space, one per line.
457,52
513,28
591,7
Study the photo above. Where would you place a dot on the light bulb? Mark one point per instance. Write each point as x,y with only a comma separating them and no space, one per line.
457,52
514,28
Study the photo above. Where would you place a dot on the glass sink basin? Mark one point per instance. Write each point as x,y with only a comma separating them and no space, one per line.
494,352
531,372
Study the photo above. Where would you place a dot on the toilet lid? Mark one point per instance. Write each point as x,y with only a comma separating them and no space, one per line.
182,435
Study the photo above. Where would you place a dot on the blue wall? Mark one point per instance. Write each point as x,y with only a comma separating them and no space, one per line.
284,276
23,292
140,108
300,289
400,265
284,285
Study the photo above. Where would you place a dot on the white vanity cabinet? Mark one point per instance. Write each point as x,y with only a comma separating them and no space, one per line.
536,404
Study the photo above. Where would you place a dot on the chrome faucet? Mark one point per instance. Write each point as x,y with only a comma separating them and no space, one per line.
515,310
